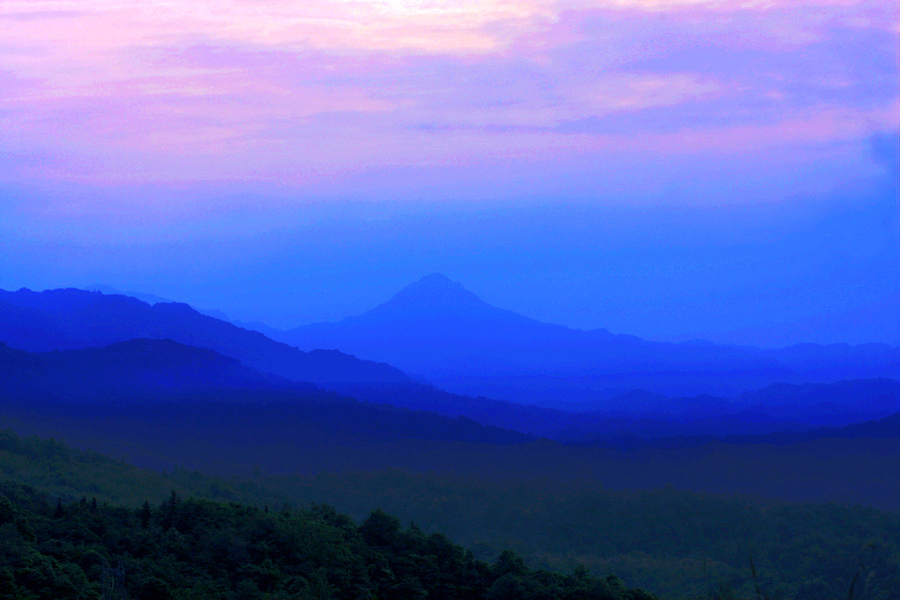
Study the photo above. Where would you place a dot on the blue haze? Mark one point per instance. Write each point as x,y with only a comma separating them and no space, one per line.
818,268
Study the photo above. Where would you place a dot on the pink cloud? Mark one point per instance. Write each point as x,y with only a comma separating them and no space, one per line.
306,93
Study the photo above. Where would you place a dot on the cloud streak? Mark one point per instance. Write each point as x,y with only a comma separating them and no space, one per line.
307,93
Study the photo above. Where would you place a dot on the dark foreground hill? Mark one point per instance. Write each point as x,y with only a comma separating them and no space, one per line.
74,319
444,333
676,544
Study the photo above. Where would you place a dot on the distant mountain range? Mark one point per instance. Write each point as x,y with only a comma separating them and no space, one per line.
69,319
588,382
439,331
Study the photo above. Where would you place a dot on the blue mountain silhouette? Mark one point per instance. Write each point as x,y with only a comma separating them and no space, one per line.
68,319
443,333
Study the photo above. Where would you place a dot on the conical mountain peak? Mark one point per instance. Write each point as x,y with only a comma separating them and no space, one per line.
435,287
433,296
435,281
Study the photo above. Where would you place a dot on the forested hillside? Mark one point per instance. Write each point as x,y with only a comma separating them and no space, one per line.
675,544
192,548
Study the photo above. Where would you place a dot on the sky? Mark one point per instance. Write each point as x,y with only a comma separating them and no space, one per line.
674,169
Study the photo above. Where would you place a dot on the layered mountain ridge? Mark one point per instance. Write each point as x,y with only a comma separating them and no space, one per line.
438,330
201,401
70,319
447,336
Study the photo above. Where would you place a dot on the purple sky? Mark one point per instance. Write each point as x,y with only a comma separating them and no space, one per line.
673,169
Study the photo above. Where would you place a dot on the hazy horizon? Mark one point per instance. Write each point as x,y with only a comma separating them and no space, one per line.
218,313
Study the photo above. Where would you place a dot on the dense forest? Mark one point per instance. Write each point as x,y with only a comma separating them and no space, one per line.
204,549
674,544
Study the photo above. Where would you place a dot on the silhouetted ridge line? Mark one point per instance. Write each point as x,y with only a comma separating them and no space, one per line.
71,319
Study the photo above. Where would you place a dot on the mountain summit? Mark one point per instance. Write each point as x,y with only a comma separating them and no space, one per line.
434,298
436,327
433,282
437,290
